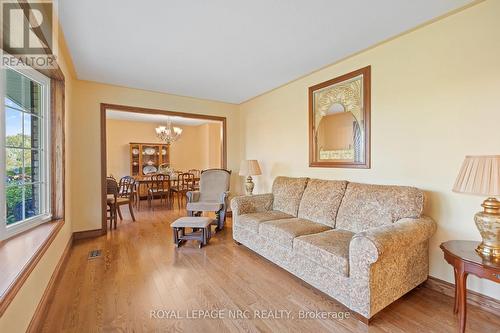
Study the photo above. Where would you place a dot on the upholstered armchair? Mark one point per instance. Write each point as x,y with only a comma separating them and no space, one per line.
212,196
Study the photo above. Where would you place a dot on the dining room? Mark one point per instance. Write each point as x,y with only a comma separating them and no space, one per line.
154,158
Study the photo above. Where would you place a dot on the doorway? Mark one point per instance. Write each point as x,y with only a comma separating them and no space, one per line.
130,134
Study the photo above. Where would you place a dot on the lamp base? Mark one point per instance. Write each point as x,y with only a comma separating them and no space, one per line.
488,223
249,185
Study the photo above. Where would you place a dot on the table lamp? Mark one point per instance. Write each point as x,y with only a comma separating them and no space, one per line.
480,175
249,168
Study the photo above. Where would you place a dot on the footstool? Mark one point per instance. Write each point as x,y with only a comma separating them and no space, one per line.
199,224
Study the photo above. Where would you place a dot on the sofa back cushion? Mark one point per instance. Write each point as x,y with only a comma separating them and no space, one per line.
366,206
287,193
321,201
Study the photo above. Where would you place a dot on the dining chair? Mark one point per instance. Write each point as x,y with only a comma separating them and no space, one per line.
111,199
127,186
184,184
159,187
126,195
196,173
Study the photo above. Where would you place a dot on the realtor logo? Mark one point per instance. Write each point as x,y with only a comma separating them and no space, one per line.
27,34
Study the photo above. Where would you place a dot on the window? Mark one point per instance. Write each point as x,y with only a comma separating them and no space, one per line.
25,168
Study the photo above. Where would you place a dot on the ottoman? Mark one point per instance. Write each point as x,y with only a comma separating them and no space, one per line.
199,224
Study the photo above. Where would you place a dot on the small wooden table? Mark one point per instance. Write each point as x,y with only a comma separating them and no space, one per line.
463,257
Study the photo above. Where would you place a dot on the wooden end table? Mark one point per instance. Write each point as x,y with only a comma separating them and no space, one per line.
465,260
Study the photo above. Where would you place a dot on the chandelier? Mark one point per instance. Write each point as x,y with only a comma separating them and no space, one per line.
168,133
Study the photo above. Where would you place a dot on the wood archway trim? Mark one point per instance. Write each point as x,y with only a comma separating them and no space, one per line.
135,109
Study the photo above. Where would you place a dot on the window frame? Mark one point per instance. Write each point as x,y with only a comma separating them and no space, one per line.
7,231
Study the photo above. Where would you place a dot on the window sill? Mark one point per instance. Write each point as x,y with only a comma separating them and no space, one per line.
20,254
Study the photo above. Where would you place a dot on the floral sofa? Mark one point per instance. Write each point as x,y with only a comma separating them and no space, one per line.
364,245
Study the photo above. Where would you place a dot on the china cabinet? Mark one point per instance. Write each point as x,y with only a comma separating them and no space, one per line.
146,158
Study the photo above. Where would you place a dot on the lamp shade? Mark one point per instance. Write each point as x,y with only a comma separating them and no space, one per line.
479,175
250,168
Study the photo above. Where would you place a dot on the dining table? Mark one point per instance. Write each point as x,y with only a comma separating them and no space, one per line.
144,182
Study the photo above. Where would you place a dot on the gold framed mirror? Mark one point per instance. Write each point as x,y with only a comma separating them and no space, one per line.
339,121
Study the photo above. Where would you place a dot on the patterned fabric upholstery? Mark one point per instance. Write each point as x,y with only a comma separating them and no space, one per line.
284,231
251,203
321,201
401,234
366,206
287,193
378,251
253,220
329,248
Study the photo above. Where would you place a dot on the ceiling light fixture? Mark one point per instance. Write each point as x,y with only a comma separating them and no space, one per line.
168,134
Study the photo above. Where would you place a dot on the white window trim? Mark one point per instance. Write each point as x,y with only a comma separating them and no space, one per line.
45,204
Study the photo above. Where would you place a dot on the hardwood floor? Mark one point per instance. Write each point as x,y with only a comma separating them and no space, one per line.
141,271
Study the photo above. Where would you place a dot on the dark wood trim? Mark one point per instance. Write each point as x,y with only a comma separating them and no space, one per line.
16,285
366,72
104,219
473,298
57,153
48,295
135,109
88,234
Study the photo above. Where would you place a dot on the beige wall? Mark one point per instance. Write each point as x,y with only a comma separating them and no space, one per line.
18,315
85,129
195,149
435,98
212,146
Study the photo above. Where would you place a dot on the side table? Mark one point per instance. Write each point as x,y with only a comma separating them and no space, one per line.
465,260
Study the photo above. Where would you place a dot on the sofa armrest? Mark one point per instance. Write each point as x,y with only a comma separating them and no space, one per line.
386,240
193,196
251,203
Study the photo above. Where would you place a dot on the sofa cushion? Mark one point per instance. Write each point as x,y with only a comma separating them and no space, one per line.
321,201
329,249
251,221
287,193
284,231
367,206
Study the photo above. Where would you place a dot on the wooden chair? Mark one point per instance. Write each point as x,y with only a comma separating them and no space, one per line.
126,194
184,184
112,197
159,187
197,174
127,186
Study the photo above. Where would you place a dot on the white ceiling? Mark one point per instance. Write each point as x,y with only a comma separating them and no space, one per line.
155,118
228,50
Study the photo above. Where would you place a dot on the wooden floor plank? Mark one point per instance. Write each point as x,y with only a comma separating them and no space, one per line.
141,271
